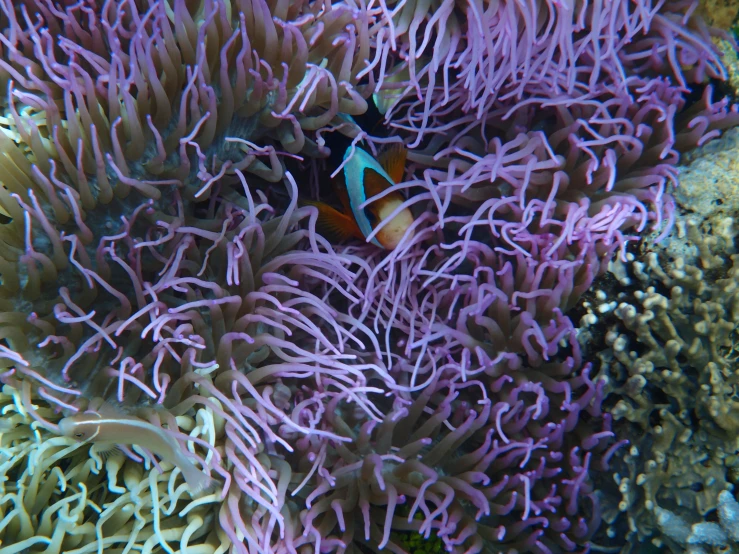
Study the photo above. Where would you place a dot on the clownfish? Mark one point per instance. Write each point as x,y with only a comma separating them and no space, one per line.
363,177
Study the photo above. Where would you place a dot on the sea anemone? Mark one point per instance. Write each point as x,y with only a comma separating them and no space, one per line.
140,268
156,261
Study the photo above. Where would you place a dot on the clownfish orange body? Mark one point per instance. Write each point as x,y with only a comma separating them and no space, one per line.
363,177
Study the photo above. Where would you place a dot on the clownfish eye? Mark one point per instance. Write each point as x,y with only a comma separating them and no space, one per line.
79,435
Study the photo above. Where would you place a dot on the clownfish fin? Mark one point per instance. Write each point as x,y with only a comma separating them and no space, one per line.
105,449
334,225
341,193
374,183
392,160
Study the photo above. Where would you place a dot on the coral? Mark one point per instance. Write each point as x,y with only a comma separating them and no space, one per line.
731,62
670,362
719,13
671,336
709,198
704,536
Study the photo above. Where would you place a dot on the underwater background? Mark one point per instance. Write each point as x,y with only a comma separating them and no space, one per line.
408,276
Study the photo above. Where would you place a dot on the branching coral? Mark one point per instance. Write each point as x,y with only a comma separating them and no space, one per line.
676,382
705,536
670,333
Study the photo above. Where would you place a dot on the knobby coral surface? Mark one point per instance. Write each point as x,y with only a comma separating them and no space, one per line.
671,334
338,395
704,536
